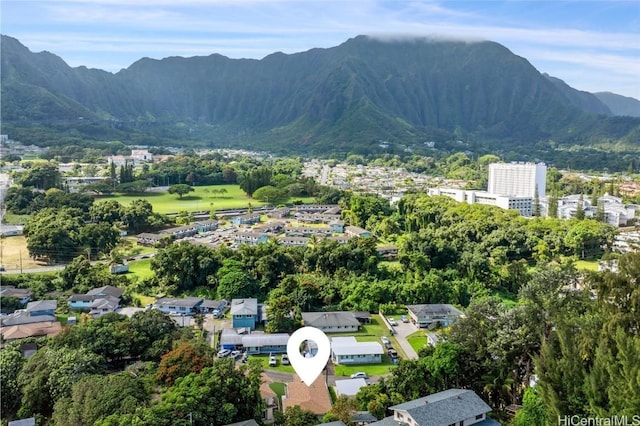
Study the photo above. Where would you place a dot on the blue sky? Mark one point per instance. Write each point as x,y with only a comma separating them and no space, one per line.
592,45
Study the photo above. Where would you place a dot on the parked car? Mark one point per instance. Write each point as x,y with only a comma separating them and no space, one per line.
393,322
223,353
245,358
385,340
272,360
359,375
235,354
393,354
285,359
404,318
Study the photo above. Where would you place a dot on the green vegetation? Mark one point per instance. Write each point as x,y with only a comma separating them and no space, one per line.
370,369
417,340
264,362
200,199
587,265
141,269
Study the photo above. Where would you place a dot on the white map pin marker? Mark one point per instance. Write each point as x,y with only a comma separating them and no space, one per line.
308,369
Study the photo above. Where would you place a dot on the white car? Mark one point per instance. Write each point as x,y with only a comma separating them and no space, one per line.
272,360
393,322
385,340
235,354
359,375
224,353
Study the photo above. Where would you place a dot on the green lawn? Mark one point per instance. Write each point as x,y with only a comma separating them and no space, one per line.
417,340
202,198
264,360
587,265
370,369
144,300
141,268
15,219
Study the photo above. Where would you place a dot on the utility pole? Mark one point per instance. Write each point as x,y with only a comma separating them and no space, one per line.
21,261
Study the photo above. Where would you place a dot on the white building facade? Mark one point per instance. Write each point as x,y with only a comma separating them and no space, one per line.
520,179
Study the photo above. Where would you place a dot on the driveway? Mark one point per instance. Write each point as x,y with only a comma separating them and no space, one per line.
404,329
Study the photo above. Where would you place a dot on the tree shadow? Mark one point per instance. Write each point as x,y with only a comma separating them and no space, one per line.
190,198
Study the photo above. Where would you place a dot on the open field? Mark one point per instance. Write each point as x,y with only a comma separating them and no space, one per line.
587,265
203,198
140,268
13,250
15,219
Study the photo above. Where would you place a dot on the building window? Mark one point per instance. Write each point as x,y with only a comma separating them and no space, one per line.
480,417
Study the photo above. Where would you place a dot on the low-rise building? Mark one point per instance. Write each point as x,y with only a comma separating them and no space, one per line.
246,219
307,231
294,241
431,315
22,294
349,387
388,252
347,350
279,213
182,306
244,313
251,237
263,343
356,231
332,322
450,407
42,307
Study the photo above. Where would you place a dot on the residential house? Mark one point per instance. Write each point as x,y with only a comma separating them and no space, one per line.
362,418
23,316
363,317
244,313
314,398
294,241
331,322
279,213
148,239
347,350
356,231
387,252
431,315
230,339
349,387
42,307
337,226
341,239
246,219
316,217
311,208
273,226
212,306
307,231
22,294
10,333
334,210
261,343
251,237
207,225
104,305
180,232
99,301
182,306
450,407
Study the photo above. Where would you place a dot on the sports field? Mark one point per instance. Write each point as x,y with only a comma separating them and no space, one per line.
203,198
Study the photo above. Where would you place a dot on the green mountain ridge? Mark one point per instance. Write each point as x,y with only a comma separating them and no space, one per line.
357,94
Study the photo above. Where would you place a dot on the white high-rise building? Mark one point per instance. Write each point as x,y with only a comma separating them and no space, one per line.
519,179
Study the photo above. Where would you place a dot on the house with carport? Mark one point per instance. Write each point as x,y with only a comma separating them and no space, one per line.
347,350
432,315
332,322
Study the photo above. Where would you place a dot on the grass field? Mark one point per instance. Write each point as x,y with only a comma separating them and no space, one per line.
140,268
201,199
417,340
587,265
264,360
13,249
15,219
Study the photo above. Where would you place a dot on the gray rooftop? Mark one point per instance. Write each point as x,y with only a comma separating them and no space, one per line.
255,340
187,302
434,309
42,305
244,307
23,317
11,291
107,290
444,408
330,319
